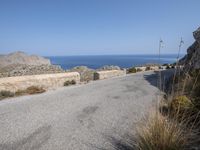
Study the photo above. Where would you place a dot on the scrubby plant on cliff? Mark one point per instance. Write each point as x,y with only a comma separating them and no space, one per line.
5,94
132,70
67,83
195,74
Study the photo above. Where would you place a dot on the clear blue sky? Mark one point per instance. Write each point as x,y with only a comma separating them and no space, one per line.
92,27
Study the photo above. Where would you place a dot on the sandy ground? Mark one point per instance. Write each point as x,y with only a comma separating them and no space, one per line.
98,115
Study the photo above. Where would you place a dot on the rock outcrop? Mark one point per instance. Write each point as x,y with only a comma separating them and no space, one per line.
22,59
192,59
20,64
21,70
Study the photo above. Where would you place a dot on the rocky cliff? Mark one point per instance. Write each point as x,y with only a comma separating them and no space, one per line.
20,64
22,59
192,59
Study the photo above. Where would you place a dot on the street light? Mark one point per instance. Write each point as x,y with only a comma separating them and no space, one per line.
161,45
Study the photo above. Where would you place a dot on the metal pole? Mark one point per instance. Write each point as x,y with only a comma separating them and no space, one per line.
160,46
177,59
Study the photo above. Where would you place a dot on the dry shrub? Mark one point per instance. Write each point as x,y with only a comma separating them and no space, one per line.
148,68
5,94
160,133
181,103
30,90
35,90
139,70
67,83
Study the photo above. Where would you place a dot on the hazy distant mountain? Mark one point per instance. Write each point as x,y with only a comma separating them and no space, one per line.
22,58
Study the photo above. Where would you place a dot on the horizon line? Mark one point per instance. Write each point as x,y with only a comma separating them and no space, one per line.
111,54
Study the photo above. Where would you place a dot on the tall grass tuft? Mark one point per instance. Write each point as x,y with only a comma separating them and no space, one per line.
160,133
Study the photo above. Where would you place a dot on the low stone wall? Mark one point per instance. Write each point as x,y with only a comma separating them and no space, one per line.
140,68
46,81
154,67
99,75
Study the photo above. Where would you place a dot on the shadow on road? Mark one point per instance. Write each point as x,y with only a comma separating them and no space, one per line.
154,78
126,142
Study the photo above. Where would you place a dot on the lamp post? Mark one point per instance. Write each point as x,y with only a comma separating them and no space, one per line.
160,46
177,61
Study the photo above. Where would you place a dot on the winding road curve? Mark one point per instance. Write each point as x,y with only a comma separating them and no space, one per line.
97,115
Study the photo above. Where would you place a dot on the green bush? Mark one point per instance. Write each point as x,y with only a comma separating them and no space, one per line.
67,83
6,94
132,70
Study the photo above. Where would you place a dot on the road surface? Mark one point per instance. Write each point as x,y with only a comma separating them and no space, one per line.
98,115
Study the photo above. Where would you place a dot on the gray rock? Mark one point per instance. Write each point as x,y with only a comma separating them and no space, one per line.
192,58
19,64
21,70
196,34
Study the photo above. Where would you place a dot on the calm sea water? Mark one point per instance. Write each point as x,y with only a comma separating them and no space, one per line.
124,61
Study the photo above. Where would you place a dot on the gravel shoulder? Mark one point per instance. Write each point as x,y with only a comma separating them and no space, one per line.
93,116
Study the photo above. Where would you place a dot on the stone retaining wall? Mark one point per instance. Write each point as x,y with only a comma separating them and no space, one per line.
108,74
46,81
140,68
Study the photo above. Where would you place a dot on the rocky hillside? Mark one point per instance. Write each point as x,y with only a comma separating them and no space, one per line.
192,59
22,59
20,64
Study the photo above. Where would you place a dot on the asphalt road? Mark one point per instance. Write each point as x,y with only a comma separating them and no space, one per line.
98,115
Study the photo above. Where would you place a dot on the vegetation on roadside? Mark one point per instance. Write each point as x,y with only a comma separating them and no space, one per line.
131,70
168,67
177,125
6,94
148,68
67,83
30,90
139,70
162,133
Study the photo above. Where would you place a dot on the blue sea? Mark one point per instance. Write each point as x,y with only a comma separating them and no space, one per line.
124,61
